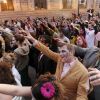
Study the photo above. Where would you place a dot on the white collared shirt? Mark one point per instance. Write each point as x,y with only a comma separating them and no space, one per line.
16,74
67,67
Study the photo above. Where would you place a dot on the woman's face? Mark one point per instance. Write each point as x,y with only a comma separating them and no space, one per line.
79,41
64,53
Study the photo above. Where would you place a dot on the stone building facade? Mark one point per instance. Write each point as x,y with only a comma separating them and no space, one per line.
31,5
12,9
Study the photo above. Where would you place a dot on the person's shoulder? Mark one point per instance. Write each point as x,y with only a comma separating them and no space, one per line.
82,68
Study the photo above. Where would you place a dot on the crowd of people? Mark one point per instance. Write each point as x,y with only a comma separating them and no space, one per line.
54,58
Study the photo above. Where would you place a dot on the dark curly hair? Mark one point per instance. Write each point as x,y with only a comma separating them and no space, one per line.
59,89
20,38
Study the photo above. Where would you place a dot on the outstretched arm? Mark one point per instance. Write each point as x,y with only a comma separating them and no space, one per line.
15,90
80,52
45,50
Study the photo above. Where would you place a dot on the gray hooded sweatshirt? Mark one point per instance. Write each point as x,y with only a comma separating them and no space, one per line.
22,57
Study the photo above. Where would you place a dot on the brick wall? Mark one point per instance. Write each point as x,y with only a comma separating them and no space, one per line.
42,13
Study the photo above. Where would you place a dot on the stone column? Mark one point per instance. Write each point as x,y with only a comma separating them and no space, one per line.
0,7
24,5
17,5
90,4
75,4
54,4
96,4
31,5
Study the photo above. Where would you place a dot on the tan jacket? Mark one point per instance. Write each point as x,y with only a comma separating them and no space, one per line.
75,81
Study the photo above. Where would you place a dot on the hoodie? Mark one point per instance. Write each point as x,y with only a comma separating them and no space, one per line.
22,57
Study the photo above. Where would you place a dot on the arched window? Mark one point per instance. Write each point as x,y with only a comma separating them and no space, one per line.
67,4
8,6
40,4
83,3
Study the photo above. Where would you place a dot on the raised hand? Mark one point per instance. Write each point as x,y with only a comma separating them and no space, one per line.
94,76
27,35
59,41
